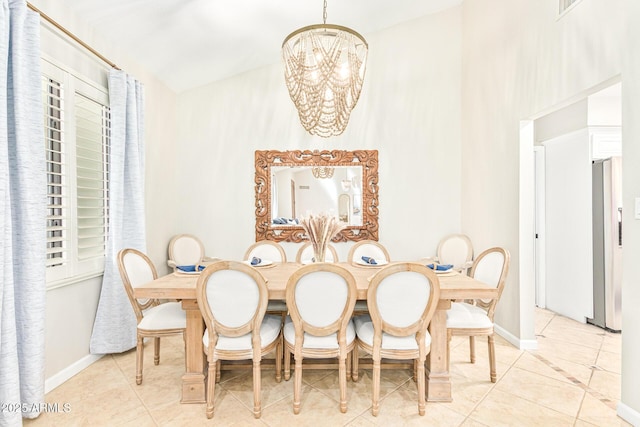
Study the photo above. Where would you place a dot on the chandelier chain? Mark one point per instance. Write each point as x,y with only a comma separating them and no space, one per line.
324,13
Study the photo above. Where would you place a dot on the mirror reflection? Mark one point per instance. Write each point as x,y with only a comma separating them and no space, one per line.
298,191
292,184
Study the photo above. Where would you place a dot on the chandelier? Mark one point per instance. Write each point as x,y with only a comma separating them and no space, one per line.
322,172
324,69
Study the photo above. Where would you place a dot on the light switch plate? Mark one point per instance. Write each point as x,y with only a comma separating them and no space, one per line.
637,209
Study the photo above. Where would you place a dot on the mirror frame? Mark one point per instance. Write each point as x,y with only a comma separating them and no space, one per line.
266,159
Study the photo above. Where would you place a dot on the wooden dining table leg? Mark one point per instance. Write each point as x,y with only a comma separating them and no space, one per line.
193,380
438,378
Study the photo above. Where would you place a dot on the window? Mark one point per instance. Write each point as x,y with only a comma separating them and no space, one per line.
76,138
565,5
52,96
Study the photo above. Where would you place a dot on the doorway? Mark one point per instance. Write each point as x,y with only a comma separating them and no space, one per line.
566,140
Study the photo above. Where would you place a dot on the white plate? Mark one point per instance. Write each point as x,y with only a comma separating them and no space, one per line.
379,263
188,272
449,270
263,263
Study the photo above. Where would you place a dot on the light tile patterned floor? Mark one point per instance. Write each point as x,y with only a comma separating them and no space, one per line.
572,380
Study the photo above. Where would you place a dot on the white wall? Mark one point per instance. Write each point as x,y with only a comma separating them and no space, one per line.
568,224
520,60
409,110
71,309
605,107
562,121
630,403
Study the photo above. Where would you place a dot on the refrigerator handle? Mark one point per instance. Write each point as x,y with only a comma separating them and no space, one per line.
619,226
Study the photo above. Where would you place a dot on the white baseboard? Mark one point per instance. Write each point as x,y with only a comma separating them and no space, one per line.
517,342
628,414
68,372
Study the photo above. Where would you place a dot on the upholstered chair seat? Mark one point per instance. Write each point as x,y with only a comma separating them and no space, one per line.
365,332
313,341
169,315
463,315
269,332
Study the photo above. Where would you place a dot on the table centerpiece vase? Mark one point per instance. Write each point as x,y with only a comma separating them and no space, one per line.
320,229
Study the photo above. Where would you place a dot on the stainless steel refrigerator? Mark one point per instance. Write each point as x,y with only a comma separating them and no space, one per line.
607,243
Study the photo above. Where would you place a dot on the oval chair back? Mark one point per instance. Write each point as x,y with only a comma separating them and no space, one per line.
136,269
491,267
185,249
457,250
266,250
368,248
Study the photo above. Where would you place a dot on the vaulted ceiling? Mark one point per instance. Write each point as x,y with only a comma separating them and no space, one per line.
188,43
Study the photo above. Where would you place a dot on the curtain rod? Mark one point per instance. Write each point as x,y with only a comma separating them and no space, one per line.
70,34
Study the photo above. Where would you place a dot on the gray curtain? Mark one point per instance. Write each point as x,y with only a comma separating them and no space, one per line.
114,329
23,205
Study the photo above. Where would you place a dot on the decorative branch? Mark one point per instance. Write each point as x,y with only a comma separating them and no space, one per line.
321,229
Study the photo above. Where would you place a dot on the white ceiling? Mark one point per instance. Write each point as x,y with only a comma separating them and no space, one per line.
188,43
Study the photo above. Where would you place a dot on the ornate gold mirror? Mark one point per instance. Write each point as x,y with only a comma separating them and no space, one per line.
293,184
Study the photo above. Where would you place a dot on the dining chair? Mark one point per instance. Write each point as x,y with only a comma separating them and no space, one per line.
368,248
457,250
475,317
402,298
154,320
272,251
266,249
232,297
320,297
305,253
186,250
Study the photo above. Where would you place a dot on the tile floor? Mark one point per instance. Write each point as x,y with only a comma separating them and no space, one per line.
573,379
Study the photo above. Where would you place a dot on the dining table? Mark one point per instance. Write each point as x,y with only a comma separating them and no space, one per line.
182,286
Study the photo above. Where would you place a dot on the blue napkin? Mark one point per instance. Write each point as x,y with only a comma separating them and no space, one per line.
369,260
189,268
441,267
255,260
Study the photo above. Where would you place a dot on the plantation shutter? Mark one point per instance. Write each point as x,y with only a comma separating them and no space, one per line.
57,187
92,176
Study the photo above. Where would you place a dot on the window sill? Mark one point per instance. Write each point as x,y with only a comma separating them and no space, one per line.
73,280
